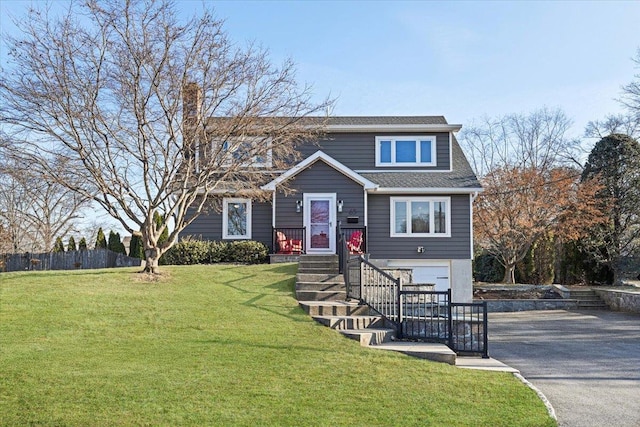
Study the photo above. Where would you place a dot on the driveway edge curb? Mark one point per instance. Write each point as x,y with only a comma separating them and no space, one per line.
547,404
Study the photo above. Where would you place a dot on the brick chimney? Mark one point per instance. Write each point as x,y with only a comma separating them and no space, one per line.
191,118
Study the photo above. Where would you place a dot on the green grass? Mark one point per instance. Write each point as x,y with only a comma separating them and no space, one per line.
217,345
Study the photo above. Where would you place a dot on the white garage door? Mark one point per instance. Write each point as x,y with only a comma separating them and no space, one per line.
433,274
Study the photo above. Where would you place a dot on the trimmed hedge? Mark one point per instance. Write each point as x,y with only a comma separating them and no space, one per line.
189,252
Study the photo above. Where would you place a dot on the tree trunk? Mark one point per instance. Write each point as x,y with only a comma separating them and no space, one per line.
509,274
151,262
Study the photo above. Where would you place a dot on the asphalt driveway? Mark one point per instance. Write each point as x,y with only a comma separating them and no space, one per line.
587,363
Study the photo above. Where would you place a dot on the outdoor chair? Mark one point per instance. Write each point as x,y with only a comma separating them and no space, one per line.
355,243
288,246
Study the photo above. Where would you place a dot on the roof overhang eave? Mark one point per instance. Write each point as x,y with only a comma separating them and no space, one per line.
395,128
426,190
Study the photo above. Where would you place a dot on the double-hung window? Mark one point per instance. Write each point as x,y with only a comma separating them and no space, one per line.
420,217
405,151
248,152
236,218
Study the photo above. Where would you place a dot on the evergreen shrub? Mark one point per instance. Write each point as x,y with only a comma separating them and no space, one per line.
58,247
71,246
82,245
191,251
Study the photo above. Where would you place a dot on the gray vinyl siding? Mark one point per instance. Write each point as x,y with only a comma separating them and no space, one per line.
208,226
320,178
382,246
357,150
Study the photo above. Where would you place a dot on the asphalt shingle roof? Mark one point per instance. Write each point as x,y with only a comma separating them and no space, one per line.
384,120
461,176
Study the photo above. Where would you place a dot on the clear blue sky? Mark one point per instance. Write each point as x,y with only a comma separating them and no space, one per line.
460,59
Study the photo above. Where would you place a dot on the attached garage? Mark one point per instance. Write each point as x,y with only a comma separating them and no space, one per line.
437,273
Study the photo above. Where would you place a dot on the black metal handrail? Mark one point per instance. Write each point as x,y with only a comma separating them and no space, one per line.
419,314
424,314
289,240
469,328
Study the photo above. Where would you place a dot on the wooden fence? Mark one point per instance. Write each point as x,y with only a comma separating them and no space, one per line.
74,260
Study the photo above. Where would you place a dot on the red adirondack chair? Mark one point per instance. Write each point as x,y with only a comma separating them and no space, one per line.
355,243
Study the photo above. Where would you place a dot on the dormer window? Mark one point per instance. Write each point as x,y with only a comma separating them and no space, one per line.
248,151
405,151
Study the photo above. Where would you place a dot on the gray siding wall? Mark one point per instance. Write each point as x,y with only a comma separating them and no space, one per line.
382,246
320,178
357,150
209,226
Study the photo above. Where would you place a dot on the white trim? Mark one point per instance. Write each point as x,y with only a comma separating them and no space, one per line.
225,218
408,201
319,155
382,170
366,209
471,223
417,139
426,190
472,198
273,209
306,210
450,151
395,128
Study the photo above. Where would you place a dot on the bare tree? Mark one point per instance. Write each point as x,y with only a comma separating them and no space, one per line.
37,210
150,113
536,140
613,124
13,201
631,93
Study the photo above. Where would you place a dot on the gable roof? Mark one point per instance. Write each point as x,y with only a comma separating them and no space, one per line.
315,157
387,123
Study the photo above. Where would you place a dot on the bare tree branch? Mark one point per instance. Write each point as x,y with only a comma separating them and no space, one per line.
151,114
536,140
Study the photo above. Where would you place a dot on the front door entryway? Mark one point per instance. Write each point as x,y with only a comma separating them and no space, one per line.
320,221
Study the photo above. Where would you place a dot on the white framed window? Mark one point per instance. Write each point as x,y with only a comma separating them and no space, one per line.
236,218
420,217
248,151
406,150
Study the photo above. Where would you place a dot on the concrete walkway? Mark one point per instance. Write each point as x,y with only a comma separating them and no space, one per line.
587,363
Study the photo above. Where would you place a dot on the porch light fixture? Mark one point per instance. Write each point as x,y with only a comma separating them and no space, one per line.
340,203
298,206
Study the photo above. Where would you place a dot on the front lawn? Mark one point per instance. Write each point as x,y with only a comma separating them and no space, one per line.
217,345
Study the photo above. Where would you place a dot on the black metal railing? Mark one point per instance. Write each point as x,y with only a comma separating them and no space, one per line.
372,286
289,241
468,325
424,314
379,290
419,312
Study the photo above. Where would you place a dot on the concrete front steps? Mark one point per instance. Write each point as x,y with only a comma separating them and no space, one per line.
587,299
321,293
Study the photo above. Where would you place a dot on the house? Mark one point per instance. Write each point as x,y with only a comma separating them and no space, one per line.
402,185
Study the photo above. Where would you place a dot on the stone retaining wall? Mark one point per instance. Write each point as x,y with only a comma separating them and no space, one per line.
620,300
529,304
